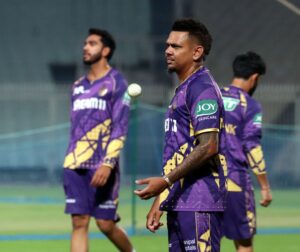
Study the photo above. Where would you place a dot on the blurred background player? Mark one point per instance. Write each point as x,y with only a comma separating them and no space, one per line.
243,119
99,120
192,189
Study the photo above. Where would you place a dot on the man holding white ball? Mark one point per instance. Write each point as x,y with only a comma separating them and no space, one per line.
99,122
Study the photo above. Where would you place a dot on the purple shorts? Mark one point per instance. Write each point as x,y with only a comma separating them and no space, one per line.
194,231
239,221
83,199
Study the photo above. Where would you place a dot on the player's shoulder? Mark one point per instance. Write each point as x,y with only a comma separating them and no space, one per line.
253,102
204,76
118,77
225,90
202,81
79,80
119,82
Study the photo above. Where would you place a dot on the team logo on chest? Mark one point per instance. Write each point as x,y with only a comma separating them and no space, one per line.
103,91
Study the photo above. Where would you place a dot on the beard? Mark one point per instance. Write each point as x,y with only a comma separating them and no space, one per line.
93,59
252,90
171,70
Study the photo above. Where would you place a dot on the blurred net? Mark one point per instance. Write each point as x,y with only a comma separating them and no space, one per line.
31,170
37,154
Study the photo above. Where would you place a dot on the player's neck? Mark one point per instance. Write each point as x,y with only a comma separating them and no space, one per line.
184,75
240,83
98,70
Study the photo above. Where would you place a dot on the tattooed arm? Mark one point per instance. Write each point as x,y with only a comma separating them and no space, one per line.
207,148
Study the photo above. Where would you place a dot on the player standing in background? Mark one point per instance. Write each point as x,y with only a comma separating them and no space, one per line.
99,121
243,119
193,186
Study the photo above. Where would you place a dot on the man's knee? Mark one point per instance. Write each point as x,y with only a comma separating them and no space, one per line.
245,243
80,221
106,226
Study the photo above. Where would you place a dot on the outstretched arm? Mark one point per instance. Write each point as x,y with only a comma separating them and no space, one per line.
204,151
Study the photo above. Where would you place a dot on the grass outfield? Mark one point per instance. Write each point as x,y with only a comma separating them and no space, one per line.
153,243
32,220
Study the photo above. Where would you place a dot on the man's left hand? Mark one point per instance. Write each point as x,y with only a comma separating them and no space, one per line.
155,185
101,176
266,197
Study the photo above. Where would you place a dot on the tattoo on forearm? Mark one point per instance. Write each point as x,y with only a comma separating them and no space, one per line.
206,149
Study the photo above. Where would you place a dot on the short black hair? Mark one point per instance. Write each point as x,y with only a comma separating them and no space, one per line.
195,29
245,65
106,38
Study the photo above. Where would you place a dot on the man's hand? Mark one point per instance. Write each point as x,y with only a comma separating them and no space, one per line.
266,197
153,217
155,185
101,176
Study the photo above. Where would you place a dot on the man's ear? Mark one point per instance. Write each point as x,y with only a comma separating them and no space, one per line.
198,53
254,77
105,51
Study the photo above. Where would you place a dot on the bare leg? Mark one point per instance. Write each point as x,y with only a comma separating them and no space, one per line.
244,245
115,234
79,241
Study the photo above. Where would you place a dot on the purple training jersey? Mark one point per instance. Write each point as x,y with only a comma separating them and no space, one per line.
99,121
196,108
243,122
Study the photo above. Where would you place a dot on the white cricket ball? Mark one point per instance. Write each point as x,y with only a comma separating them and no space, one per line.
134,89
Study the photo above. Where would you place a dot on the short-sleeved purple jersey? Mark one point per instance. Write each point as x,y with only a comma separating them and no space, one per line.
195,108
99,121
243,120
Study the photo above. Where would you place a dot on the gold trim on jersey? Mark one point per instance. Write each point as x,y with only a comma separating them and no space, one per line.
251,221
256,160
86,146
232,186
206,130
203,241
243,100
113,150
171,164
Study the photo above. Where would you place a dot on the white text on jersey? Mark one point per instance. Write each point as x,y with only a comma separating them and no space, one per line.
89,103
170,124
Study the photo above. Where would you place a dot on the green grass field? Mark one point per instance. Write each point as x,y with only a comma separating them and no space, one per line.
153,243
32,220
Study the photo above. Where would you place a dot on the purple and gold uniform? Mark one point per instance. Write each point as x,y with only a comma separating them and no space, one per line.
99,122
243,119
196,108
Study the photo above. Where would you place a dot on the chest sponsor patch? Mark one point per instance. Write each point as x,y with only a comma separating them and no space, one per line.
230,103
206,107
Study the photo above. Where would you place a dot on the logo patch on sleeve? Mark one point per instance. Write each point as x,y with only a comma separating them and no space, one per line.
126,99
230,103
257,120
206,107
